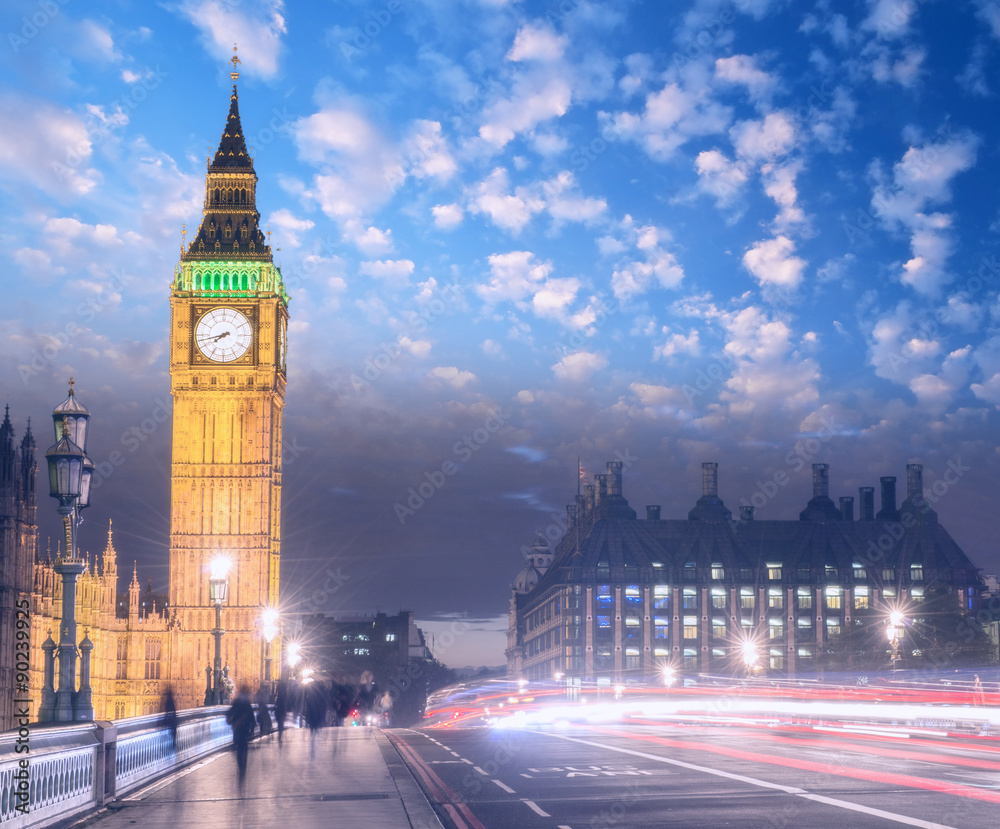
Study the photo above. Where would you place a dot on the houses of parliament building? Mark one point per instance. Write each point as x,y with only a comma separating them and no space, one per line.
228,337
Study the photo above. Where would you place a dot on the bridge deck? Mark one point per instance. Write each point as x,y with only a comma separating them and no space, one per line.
348,777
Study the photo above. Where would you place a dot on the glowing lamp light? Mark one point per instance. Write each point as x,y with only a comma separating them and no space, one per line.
293,654
896,618
269,623
750,653
218,586
669,676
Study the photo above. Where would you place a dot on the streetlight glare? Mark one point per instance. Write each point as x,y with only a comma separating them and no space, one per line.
896,618
219,567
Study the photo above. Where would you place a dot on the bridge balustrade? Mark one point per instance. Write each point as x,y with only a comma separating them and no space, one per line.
73,768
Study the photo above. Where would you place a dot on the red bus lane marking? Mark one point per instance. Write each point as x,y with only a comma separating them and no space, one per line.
448,798
822,768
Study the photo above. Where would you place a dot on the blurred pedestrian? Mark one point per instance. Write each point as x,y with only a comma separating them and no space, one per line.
240,717
263,713
281,708
315,710
170,716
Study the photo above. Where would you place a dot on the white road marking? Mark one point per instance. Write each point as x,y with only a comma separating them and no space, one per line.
534,807
525,775
466,761
483,773
504,786
830,801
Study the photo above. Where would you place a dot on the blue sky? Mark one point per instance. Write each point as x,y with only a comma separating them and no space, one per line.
516,233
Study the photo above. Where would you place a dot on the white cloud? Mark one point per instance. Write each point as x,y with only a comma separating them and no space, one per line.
565,203
394,272
766,139
743,71
534,100
539,43
889,19
360,168
370,240
920,179
418,348
256,25
428,154
509,211
289,226
579,366
679,344
658,266
447,216
773,263
452,376
720,177
671,117
779,184
514,276
45,146
553,299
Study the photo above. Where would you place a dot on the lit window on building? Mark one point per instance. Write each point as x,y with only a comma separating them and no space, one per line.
719,628
690,571
774,572
860,598
833,597
746,574
889,592
805,653
718,572
661,597
632,621
833,625
662,653
690,659
719,598
832,572
690,627
390,637
776,659
889,574
916,572
690,598
633,596
361,651
775,629
632,657
604,601
746,598
775,597
917,594
604,622
804,623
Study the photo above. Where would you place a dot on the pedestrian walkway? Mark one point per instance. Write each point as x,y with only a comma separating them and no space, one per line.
351,778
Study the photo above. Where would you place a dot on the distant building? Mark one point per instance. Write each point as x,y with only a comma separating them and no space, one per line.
623,596
347,646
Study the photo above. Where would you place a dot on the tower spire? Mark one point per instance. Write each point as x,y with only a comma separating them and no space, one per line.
229,227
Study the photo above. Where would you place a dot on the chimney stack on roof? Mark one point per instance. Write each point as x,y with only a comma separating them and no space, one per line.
746,512
867,506
653,512
888,511
613,479
601,491
914,481
710,479
588,494
847,507
821,480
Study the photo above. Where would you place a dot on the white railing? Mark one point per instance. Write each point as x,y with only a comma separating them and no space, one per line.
70,769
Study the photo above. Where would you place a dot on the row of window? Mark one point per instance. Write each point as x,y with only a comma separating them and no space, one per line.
776,572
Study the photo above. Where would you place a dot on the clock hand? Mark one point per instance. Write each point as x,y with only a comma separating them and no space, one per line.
214,339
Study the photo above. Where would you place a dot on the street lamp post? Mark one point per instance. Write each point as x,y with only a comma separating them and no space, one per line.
893,631
751,658
218,588
269,628
70,474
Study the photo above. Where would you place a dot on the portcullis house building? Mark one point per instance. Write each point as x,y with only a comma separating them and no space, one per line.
622,596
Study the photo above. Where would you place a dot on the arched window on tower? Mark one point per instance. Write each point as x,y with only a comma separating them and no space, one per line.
218,196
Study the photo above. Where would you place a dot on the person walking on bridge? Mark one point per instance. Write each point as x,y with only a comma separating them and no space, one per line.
240,716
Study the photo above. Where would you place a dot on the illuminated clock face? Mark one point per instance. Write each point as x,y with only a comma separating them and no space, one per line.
223,335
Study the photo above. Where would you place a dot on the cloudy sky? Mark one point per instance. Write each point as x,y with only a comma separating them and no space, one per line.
758,232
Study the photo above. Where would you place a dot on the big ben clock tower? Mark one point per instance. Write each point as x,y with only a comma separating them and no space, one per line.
229,318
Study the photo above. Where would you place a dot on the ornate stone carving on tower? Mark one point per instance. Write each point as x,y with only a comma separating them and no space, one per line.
229,320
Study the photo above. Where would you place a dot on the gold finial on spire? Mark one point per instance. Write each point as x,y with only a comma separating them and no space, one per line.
235,61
